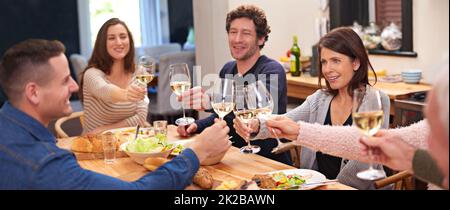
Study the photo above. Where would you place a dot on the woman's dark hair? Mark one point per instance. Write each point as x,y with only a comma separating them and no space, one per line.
253,13
345,41
100,58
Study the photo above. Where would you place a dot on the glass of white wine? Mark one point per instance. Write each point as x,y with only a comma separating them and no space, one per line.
146,70
368,118
264,104
222,100
180,81
246,111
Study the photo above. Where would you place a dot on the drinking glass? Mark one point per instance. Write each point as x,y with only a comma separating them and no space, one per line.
245,111
109,142
263,103
223,97
180,81
146,70
160,127
368,118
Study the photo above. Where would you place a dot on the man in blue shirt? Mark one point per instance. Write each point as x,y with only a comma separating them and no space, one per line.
35,76
247,33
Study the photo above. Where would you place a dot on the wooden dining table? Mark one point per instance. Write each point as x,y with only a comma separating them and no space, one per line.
305,85
235,166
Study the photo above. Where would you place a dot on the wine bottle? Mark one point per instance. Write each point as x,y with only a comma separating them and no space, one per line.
296,66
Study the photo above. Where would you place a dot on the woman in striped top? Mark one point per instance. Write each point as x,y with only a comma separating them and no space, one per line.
108,91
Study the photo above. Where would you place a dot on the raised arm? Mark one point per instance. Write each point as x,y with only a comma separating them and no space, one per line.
343,141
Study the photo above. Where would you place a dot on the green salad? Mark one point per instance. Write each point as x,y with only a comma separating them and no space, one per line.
144,144
284,181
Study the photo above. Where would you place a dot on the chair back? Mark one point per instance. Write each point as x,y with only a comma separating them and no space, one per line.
164,93
402,181
71,125
79,63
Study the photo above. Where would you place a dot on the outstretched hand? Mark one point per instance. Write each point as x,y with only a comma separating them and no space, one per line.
283,127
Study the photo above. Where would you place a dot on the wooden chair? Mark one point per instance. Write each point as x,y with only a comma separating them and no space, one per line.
60,133
402,181
295,155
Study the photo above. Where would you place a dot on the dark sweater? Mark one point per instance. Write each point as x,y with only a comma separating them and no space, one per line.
426,169
276,85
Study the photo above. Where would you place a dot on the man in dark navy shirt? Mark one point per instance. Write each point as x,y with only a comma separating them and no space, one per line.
36,78
247,33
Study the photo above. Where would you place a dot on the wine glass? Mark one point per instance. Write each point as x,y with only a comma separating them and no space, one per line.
368,118
146,70
180,81
264,104
245,111
223,97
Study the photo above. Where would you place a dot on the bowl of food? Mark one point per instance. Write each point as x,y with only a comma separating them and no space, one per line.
147,146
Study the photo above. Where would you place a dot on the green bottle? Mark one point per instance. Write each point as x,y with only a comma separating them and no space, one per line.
296,65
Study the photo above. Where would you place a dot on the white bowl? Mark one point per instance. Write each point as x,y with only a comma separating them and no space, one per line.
412,71
412,76
139,157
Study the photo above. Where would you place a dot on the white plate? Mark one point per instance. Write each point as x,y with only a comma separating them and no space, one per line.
131,130
184,143
310,176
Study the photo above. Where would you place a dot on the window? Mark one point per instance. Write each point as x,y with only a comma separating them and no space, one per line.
126,10
388,11
344,12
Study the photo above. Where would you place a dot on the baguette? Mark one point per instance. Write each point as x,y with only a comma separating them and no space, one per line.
81,144
203,179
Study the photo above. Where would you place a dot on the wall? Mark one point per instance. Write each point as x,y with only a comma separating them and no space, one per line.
430,34
289,17
49,19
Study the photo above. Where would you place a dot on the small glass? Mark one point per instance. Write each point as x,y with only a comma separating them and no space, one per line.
160,127
109,142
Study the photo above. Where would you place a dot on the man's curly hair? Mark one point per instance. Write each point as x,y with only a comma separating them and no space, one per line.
253,13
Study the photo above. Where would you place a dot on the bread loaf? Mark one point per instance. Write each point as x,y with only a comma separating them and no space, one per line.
81,144
203,179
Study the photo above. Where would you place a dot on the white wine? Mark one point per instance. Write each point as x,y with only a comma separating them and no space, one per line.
179,87
245,116
263,112
368,122
222,109
144,78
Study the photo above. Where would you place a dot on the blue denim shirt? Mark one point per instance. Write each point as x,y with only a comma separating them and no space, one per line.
30,159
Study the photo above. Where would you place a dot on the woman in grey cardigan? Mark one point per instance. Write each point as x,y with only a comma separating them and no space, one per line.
344,65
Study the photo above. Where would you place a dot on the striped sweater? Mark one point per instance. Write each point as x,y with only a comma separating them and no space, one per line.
100,110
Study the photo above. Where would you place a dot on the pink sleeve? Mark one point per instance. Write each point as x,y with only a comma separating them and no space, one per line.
343,141
415,134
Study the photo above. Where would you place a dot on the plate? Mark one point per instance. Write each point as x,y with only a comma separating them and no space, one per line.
127,134
310,176
183,143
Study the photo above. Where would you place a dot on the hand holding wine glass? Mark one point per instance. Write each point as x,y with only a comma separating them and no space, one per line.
223,97
264,105
180,81
146,70
245,111
368,119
